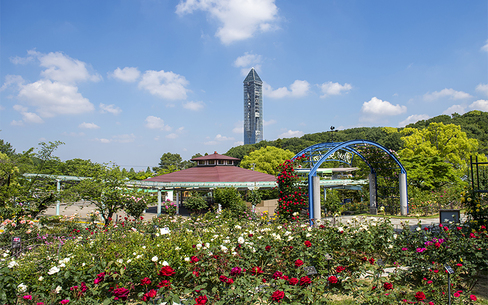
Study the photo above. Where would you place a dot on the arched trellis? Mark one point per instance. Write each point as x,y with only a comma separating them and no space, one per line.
316,156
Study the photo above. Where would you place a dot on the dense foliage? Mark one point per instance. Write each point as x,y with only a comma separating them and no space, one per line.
218,260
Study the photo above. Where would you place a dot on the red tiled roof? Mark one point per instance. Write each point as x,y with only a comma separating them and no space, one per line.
214,174
214,156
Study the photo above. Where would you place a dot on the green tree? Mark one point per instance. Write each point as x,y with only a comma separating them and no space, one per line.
107,191
6,148
266,159
196,202
437,139
229,198
169,163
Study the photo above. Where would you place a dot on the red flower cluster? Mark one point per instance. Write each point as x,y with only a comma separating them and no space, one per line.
225,279
420,296
388,286
308,243
293,281
120,293
201,300
100,278
145,281
298,263
256,270
194,259
332,279
164,283
150,294
305,281
166,271
339,269
278,295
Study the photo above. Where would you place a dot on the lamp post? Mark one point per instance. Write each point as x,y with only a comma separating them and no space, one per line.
332,130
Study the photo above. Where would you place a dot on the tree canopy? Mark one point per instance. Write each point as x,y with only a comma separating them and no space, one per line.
266,159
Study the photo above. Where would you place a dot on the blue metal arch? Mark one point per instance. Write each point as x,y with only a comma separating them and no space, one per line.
333,147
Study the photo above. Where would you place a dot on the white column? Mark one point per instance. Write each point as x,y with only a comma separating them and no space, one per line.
159,202
169,195
58,189
177,203
316,199
373,208
403,194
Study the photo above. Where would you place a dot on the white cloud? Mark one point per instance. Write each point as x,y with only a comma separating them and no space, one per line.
54,98
248,61
56,92
270,122
413,119
17,60
16,123
88,125
451,93
291,134
176,134
483,88
153,122
128,74
221,138
31,117
109,108
124,138
485,47
238,143
480,105
378,107
459,109
331,88
299,88
12,80
195,106
62,68
239,19
167,85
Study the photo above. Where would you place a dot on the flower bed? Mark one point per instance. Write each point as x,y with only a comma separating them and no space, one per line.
218,260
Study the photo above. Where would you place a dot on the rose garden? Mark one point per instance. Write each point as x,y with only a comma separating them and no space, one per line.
243,258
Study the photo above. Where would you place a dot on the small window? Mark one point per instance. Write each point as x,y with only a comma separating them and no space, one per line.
221,162
211,162
201,162
230,162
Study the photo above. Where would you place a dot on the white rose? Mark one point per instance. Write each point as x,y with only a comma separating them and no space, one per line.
41,278
154,259
22,287
12,264
53,270
58,289
240,240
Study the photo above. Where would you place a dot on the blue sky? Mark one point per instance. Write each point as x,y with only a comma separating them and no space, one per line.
126,81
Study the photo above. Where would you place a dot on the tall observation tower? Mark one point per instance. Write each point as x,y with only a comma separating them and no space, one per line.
253,108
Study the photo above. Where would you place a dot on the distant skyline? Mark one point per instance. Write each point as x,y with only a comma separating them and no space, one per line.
127,81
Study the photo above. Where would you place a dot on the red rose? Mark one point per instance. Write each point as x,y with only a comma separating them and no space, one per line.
339,269
388,286
420,296
308,243
256,270
332,279
371,261
277,274
201,299
298,263
194,259
304,281
473,297
223,278
293,281
267,248
145,281
164,283
278,295
166,271
230,281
